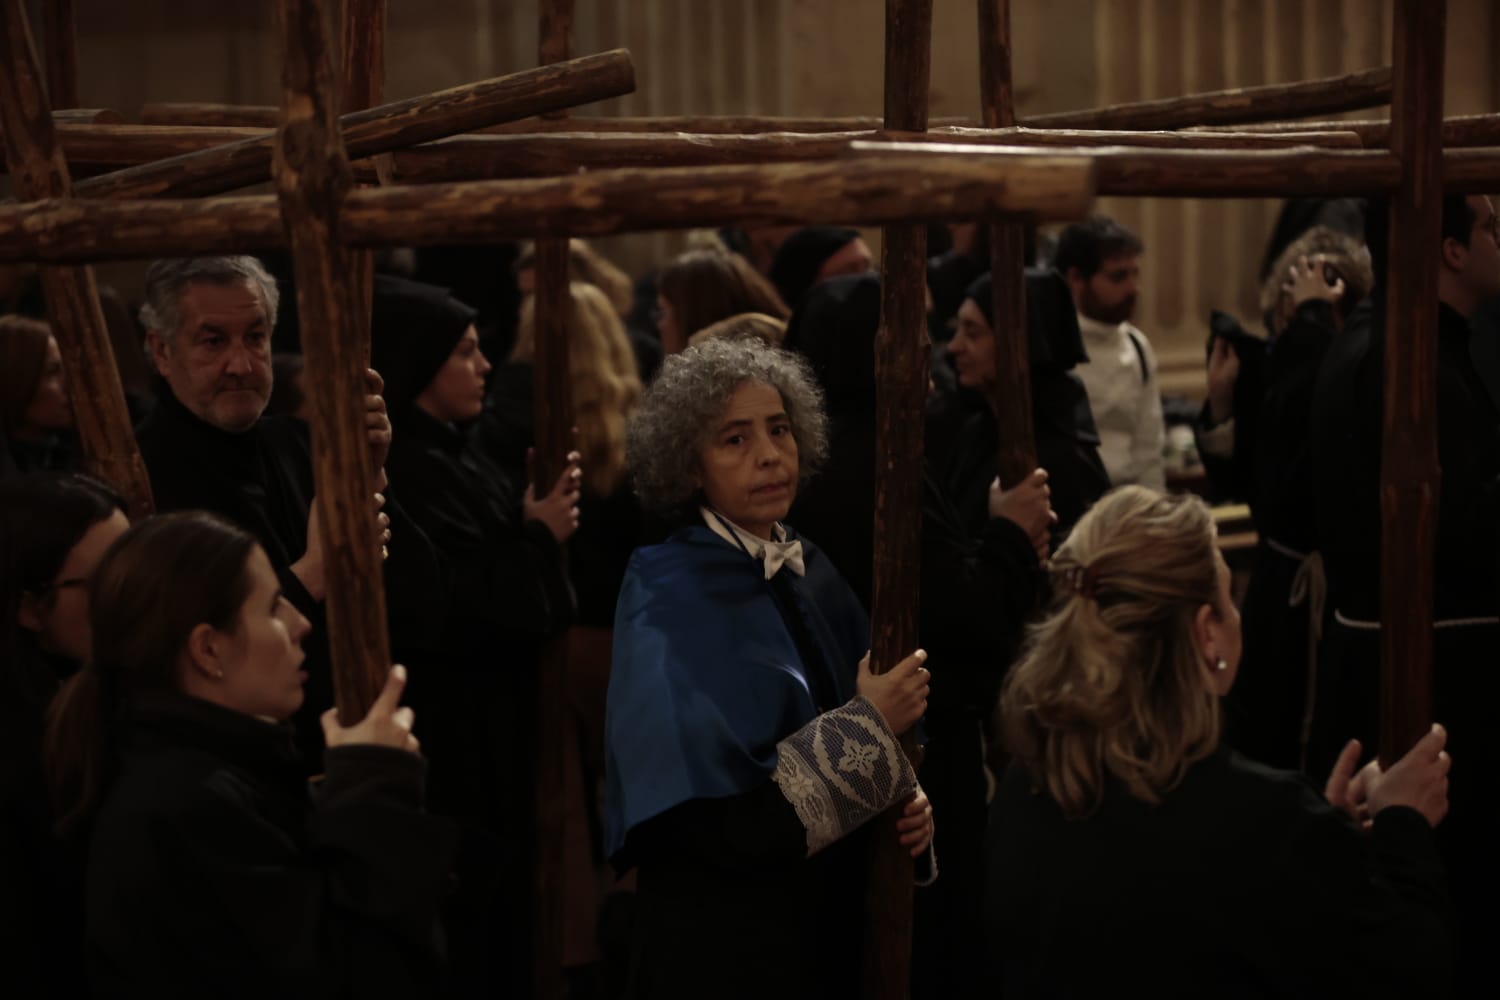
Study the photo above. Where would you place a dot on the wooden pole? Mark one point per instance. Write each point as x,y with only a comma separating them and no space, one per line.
1212,173
38,170
553,419
204,113
1010,395
900,392
1368,88
1458,131
383,128
494,157
1410,479
873,188
362,81
60,41
312,179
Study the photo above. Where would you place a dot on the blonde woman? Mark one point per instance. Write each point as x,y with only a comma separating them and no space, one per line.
1127,833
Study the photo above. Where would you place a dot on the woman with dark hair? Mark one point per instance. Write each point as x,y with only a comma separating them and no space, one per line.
507,593
1131,851
53,531
36,416
702,287
746,740
212,871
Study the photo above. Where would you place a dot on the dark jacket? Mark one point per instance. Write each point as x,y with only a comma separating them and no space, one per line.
214,872
1243,882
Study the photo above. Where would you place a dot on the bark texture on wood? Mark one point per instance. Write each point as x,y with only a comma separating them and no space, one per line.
900,392
383,128
1368,88
60,42
312,179
1410,479
709,124
362,83
1459,130
494,157
39,171
1010,396
209,114
1206,173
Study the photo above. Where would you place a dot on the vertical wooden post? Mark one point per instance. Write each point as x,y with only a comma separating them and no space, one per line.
38,170
1410,479
312,178
900,392
60,44
1010,396
553,418
362,81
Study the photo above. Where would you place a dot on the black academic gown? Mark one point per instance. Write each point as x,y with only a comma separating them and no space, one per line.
1243,882
1267,707
41,875
1345,467
476,700
262,480
213,872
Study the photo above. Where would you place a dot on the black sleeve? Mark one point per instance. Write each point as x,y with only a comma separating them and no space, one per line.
754,829
415,583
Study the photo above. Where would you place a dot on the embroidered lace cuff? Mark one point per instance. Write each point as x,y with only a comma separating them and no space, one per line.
840,770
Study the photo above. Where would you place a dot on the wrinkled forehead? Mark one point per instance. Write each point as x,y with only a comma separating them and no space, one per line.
228,306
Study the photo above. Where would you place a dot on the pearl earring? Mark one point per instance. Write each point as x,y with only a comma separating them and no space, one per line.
1221,666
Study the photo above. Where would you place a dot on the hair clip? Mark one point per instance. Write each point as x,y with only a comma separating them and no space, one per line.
1082,580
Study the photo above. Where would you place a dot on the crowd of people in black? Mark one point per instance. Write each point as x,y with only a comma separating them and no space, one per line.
1098,805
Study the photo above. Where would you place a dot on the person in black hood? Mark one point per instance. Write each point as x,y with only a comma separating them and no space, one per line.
816,254
963,437
53,531
975,599
213,870
507,592
208,446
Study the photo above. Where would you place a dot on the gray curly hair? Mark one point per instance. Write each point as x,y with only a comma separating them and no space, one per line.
681,408
167,279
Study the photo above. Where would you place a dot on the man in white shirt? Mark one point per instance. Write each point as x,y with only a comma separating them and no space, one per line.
1101,260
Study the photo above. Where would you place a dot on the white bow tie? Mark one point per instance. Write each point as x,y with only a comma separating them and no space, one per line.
778,554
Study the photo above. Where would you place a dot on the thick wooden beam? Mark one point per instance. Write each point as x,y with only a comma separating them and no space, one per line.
60,44
38,170
1471,171
1458,131
553,419
708,124
1010,395
361,86
1410,479
208,114
479,157
900,392
1208,173
381,129
312,179
1330,95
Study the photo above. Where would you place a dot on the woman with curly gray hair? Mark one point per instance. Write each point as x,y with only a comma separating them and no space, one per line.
746,738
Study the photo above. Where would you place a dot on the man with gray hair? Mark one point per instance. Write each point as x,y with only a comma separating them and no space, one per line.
207,446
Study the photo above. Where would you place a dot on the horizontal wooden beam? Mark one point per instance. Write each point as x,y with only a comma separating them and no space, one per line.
218,115
381,129
865,188
1211,173
92,147
1329,95
1458,131
1475,170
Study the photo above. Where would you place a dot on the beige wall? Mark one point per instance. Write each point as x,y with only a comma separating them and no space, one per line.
824,57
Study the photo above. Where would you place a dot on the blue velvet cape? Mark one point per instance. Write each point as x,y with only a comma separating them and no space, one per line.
707,678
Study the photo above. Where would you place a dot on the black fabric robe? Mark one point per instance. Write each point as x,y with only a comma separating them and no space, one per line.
1346,442
262,480
1243,882
476,698
212,872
